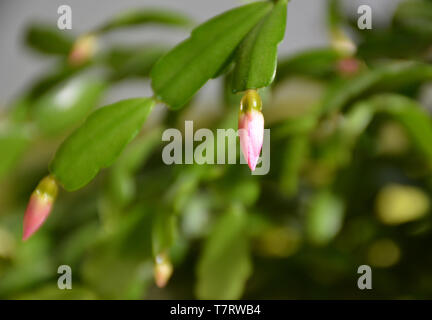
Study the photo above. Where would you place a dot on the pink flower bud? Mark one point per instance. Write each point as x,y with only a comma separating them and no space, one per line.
163,270
83,49
251,127
39,206
348,66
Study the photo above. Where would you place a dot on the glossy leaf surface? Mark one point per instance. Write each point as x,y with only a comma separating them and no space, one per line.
65,105
98,142
256,58
179,74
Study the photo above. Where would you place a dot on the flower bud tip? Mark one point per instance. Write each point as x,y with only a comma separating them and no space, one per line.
163,270
251,127
39,206
83,49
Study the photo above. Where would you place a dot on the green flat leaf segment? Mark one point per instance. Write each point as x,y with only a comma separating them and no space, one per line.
381,79
256,58
145,16
225,263
411,115
164,229
325,217
184,70
318,63
66,105
415,16
133,61
48,39
98,142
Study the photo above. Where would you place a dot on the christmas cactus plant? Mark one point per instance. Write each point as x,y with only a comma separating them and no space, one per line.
349,139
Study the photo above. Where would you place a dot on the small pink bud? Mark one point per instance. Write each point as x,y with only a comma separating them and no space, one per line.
251,127
163,270
348,66
83,49
39,206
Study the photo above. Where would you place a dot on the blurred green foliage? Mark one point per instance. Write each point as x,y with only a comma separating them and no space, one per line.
349,184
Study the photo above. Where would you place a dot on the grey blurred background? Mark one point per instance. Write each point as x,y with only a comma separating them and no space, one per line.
18,66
